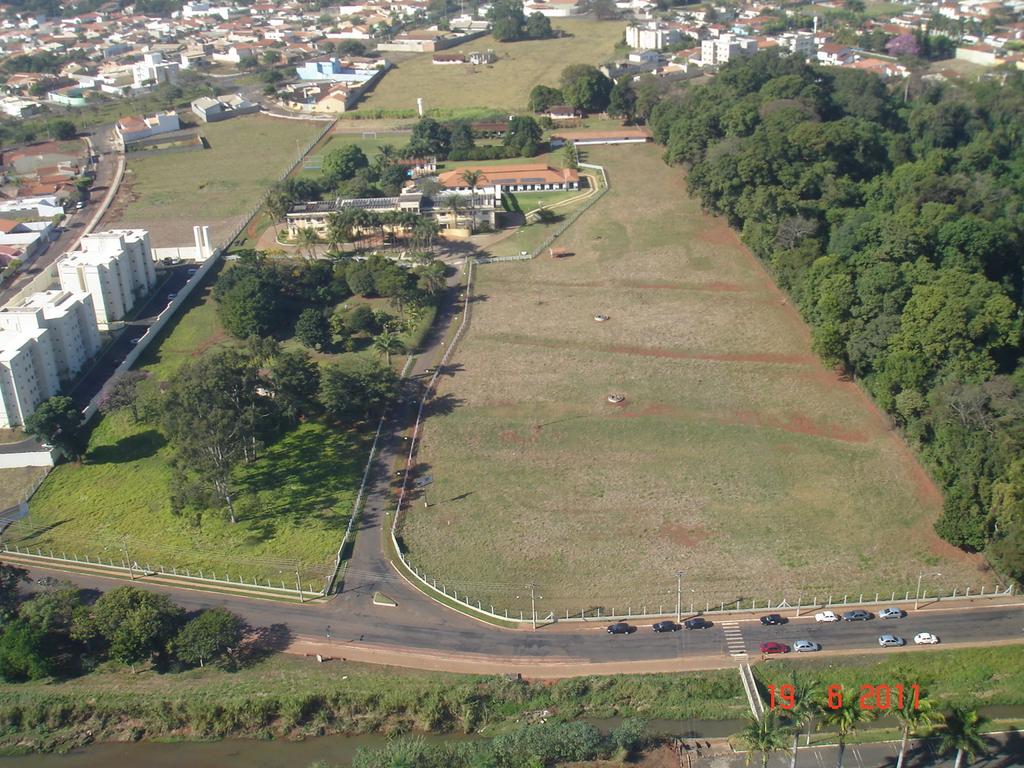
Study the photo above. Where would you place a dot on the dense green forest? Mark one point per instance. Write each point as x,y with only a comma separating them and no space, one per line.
896,226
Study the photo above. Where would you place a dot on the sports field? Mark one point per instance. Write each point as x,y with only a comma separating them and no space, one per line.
736,456
503,85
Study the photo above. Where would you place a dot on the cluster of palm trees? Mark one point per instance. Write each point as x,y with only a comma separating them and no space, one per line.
957,728
351,224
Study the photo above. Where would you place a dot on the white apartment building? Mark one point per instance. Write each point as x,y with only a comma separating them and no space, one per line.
650,36
722,49
28,374
799,43
115,268
70,323
153,70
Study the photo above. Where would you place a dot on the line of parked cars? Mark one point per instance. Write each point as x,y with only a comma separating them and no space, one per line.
798,646
828,617
623,628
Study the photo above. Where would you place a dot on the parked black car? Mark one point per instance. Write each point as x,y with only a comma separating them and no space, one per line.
621,628
772,620
697,623
665,626
857,616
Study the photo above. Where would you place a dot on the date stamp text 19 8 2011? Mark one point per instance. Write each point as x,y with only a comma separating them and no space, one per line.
881,697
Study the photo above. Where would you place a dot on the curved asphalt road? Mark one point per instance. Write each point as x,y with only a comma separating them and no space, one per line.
421,626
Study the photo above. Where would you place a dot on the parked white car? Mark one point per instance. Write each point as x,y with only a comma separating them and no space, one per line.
925,638
826,616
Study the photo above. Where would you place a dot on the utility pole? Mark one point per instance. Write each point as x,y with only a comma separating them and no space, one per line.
533,604
298,585
679,595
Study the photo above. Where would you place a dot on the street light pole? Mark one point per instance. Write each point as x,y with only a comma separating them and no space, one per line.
917,595
679,595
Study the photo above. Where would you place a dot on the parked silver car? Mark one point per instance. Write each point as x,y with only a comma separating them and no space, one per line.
806,646
891,641
890,613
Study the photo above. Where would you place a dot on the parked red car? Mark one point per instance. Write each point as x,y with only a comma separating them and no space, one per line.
774,648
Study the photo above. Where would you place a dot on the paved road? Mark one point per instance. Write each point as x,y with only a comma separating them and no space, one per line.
75,223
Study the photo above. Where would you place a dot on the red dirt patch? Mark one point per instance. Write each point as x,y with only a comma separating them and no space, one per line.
801,425
796,423
684,535
764,357
716,232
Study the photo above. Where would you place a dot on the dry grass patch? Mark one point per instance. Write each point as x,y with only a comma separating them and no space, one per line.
736,457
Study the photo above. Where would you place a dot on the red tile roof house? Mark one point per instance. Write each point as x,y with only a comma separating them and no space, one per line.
530,177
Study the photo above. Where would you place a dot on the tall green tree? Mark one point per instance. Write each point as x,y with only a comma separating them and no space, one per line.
212,414
135,624
543,97
311,328
524,136
538,26
622,100
24,652
58,421
586,88
295,377
343,164
208,636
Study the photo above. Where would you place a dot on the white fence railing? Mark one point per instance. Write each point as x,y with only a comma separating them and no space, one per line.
184,577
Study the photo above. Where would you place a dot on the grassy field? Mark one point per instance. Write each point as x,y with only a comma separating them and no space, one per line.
736,456
168,194
296,499
504,85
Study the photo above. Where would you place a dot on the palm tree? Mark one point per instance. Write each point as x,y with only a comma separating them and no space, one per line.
307,240
387,344
766,736
386,155
960,729
806,709
844,721
454,205
338,230
472,177
914,719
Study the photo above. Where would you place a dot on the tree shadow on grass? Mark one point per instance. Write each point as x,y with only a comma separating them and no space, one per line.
131,448
262,642
442,405
300,481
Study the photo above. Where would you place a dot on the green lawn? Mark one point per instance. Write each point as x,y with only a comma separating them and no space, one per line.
168,194
294,503
504,85
736,454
